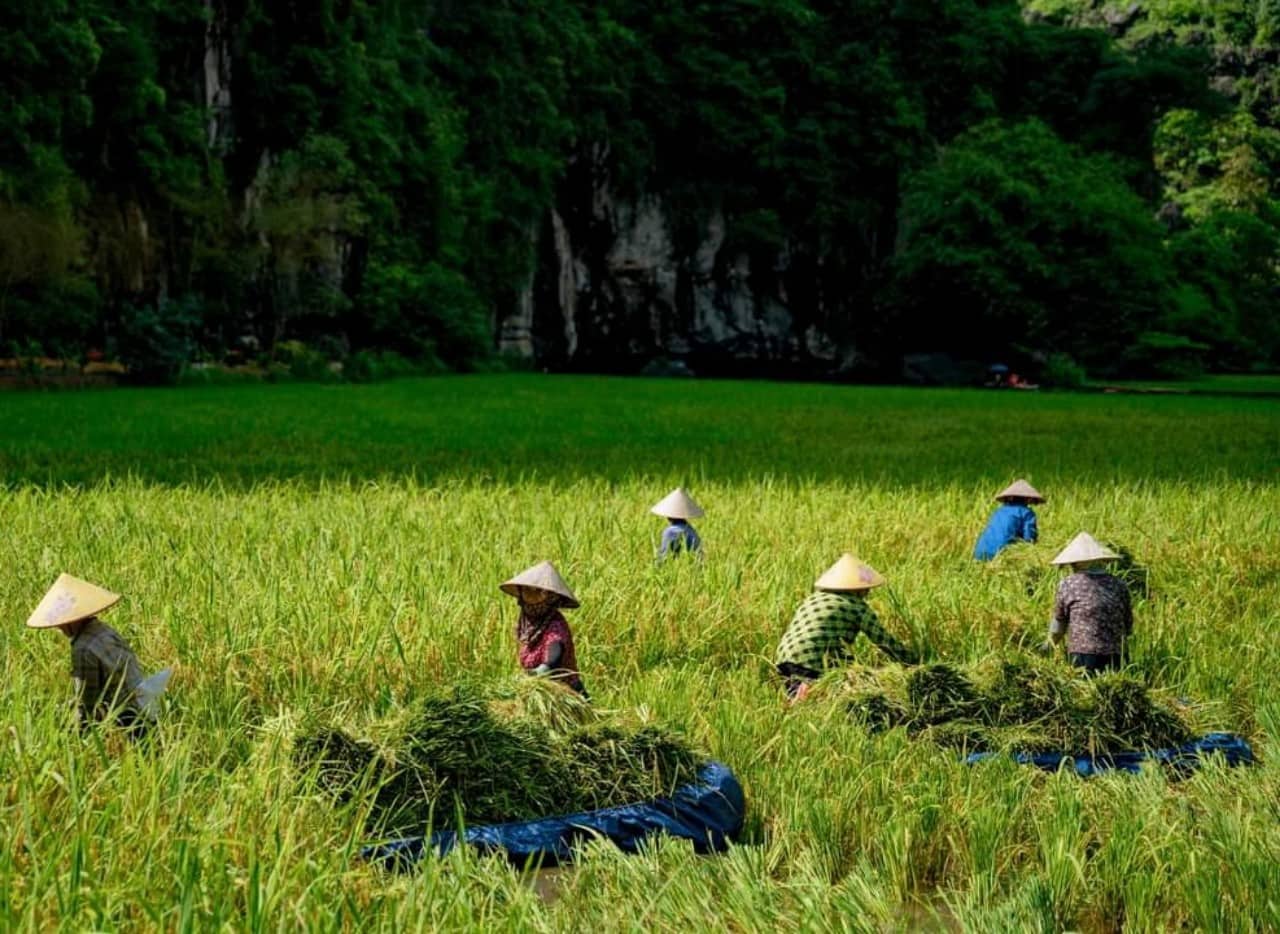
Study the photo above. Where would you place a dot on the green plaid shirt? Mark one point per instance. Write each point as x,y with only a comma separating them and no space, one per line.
104,671
824,627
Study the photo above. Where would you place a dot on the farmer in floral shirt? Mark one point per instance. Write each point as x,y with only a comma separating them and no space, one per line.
1092,609
545,644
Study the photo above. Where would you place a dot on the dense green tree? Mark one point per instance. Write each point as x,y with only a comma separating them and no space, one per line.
1015,238
385,168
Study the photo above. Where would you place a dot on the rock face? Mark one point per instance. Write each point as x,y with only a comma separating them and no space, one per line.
617,285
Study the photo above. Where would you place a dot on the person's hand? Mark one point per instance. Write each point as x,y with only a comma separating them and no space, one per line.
541,670
1045,648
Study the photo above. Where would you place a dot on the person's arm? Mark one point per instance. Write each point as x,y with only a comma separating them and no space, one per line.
555,651
1030,528
86,682
1128,610
1058,623
664,546
884,640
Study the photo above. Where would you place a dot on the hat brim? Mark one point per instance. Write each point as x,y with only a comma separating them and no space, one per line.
33,623
569,603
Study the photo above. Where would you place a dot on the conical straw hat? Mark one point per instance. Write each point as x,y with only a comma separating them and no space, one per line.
1020,489
849,574
70,600
542,576
678,504
1084,547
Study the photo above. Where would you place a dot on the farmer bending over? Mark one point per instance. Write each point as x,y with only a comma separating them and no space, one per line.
825,625
1091,609
1014,521
104,671
678,508
545,642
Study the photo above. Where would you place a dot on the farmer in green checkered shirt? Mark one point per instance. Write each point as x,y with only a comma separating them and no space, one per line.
824,627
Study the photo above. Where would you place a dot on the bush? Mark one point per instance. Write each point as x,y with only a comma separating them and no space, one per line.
371,366
305,363
157,341
1167,356
1015,234
426,311
1062,372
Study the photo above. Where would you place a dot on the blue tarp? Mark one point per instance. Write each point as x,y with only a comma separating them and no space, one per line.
709,812
1234,750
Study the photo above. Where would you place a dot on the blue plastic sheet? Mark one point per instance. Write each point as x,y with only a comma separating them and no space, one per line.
709,812
1234,750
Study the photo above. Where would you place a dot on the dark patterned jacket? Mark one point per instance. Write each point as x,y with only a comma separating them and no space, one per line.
1093,609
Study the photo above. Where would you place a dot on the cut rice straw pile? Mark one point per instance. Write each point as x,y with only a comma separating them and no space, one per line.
483,755
1011,703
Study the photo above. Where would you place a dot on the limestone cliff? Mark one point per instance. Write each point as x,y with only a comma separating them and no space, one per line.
616,286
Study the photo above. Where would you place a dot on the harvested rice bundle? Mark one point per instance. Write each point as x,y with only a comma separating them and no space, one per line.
543,701
1025,689
939,694
1123,716
875,697
616,767
1013,702
1028,739
455,759
964,736
487,770
875,711
340,763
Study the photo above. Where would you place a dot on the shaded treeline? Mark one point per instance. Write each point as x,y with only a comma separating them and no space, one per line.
180,178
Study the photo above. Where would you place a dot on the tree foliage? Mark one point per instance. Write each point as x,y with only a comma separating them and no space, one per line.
383,170
1033,242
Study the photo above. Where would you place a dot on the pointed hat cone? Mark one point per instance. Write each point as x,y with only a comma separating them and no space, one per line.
1020,489
849,574
678,504
1084,547
70,600
542,576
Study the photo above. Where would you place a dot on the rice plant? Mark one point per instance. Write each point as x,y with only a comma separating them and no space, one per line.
328,557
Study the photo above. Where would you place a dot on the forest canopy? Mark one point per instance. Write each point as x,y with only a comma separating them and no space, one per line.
184,179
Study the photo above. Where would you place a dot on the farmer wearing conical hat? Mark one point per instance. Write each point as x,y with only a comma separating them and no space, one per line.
825,625
1091,609
1013,521
104,671
545,644
678,508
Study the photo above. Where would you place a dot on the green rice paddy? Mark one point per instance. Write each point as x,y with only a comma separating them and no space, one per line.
332,553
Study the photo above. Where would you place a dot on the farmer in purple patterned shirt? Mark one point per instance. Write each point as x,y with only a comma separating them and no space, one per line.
1092,609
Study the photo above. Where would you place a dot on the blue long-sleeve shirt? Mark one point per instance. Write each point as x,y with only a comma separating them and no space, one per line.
1007,525
678,537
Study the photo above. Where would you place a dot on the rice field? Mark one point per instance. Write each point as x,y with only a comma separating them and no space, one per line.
332,554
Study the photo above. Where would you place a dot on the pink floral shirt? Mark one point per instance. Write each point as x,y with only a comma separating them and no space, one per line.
535,652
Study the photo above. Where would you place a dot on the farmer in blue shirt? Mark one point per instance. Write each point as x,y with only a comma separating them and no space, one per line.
678,508
1013,522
